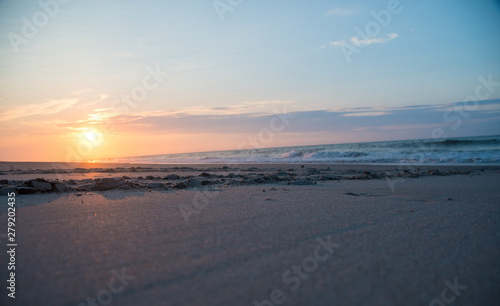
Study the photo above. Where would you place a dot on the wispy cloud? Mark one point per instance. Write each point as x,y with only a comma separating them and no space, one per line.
349,124
249,108
101,98
365,114
419,119
492,108
355,41
342,12
397,127
48,108
51,107
375,40
465,108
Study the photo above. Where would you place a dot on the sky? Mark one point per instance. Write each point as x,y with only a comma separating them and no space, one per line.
85,80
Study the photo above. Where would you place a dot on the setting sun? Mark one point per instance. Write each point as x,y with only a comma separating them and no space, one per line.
95,137
90,136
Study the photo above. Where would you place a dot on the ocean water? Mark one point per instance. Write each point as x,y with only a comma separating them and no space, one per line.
465,150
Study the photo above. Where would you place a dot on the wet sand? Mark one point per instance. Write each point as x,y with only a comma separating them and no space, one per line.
255,235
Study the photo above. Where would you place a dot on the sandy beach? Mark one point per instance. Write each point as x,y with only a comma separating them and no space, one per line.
254,235
258,153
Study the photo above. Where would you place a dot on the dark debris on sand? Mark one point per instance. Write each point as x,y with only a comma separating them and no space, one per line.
213,177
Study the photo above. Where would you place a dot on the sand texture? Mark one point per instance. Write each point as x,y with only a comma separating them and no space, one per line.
363,236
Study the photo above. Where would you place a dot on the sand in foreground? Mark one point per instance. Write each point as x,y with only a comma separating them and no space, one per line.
348,242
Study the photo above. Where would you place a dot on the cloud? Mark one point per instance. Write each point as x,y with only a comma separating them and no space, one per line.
101,98
267,102
249,108
337,44
397,127
388,122
48,108
342,12
487,107
492,108
51,107
349,124
463,107
375,40
364,114
355,41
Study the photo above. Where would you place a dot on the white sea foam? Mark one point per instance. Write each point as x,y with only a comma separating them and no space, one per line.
470,150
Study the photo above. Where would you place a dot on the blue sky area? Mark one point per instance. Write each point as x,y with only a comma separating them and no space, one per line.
349,71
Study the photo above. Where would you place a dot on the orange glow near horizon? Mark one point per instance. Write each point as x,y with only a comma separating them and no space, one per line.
89,145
